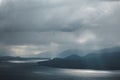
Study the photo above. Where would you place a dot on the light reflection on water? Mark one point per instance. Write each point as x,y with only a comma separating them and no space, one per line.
26,61
88,73
79,73
32,71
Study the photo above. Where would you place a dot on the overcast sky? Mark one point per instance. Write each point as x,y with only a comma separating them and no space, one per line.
32,27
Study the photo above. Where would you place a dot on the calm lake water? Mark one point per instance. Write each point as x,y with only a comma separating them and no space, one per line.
17,70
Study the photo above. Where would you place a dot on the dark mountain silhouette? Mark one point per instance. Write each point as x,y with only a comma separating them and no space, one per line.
7,58
68,62
105,59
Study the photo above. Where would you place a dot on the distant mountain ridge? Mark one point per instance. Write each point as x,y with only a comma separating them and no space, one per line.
70,52
108,58
7,58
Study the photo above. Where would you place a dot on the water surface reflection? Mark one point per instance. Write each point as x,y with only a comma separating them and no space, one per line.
16,70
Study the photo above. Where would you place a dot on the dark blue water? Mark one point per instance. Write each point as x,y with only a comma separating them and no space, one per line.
31,71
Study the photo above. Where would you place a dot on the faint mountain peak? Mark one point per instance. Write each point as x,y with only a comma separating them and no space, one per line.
69,52
73,57
109,50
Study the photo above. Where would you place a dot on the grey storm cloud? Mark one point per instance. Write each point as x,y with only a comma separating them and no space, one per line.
51,26
21,19
35,16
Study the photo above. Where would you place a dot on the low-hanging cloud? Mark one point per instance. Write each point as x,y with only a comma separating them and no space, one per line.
57,25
